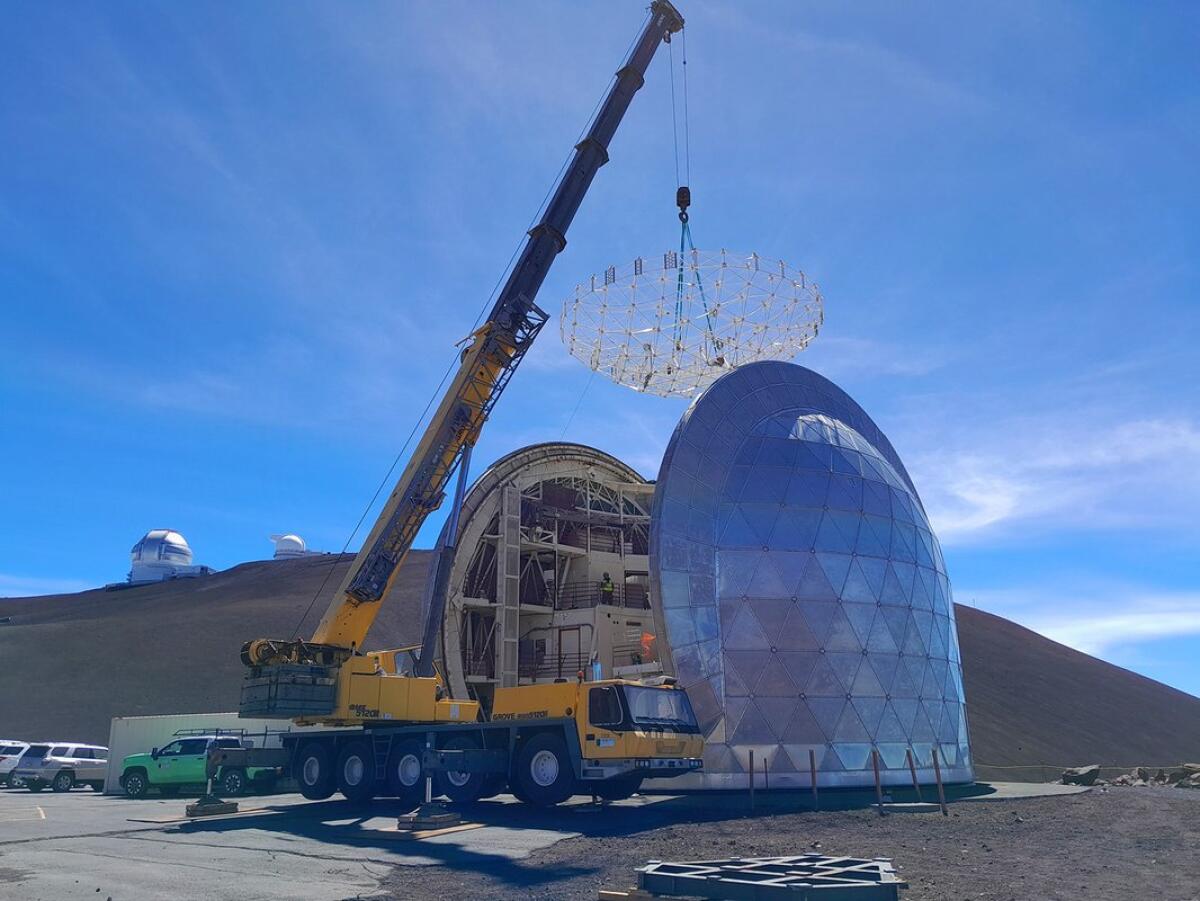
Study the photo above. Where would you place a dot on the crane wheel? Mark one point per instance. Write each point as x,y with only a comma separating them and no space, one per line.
405,774
617,789
355,771
465,788
544,774
493,784
313,769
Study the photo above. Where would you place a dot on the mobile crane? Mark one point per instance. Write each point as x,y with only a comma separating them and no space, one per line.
392,724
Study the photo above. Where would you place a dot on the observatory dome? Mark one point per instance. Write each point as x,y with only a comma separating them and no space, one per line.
162,546
162,554
289,546
802,593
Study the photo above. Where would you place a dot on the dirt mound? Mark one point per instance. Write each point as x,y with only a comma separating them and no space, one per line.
71,662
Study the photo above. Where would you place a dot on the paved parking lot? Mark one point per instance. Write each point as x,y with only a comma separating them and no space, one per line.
85,845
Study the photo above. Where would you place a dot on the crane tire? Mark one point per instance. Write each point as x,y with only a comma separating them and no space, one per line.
313,770
356,771
617,789
544,773
405,773
465,788
493,784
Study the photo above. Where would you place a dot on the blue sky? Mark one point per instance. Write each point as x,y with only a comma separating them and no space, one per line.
238,241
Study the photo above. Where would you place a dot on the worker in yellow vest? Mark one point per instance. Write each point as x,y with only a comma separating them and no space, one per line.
606,589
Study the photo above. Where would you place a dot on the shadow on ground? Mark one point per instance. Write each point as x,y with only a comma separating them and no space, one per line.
341,823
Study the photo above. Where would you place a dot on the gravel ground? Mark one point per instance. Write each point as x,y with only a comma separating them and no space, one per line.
1118,844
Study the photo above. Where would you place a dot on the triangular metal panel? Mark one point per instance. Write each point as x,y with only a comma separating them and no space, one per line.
846,666
819,615
765,583
902,683
854,755
735,569
774,681
790,566
799,666
744,632
796,529
747,665
857,590
772,613
841,635
752,728
777,712
823,681
815,585
807,488
870,711
866,684
827,712
795,635
803,727
862,618
890,728
884,665
850,727
836,566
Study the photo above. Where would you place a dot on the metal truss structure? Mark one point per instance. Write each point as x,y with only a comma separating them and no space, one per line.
804,877
672,328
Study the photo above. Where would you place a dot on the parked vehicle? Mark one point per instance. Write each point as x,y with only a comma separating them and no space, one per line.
62,766
10,753
181,765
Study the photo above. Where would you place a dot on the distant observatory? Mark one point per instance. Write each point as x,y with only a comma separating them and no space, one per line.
289,547
163,554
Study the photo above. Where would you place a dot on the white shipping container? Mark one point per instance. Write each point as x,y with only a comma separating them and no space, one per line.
138,734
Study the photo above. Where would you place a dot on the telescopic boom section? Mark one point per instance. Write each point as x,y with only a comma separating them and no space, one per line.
487,364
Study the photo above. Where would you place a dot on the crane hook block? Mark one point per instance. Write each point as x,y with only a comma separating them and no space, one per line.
683,199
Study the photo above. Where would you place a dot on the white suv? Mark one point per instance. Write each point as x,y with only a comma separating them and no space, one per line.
10,753
62,766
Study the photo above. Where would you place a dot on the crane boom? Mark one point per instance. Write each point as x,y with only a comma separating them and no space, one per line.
487,363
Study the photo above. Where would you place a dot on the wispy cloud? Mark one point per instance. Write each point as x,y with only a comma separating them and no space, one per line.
1061,469
1095,619
18,586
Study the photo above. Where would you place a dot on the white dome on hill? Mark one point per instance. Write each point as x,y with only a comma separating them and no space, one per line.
163,554
291,546
287,546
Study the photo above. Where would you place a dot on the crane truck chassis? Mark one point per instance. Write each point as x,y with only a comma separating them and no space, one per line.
544,743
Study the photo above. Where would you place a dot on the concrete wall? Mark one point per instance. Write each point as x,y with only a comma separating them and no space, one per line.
138,734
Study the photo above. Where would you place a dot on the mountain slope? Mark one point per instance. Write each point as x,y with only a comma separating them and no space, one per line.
71,662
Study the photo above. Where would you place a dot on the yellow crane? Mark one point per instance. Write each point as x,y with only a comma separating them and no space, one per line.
391,721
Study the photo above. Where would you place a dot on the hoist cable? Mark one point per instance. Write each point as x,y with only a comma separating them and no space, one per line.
687,142
674,116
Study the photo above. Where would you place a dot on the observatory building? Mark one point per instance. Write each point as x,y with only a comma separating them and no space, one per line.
289,547
163,554
782,568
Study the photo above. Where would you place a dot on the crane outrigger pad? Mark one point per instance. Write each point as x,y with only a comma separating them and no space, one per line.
803,877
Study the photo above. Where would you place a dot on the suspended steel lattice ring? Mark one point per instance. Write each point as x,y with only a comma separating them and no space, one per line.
673,327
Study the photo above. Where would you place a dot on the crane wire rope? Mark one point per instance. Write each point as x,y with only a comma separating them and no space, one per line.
482,311
685,234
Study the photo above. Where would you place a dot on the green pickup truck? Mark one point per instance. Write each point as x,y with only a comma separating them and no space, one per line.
181,765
